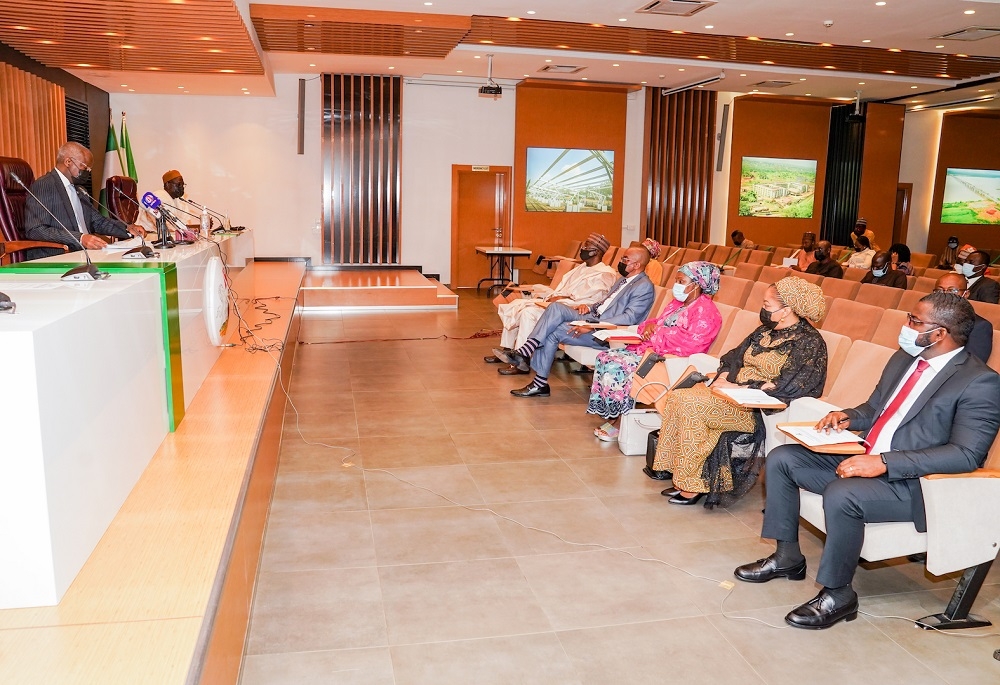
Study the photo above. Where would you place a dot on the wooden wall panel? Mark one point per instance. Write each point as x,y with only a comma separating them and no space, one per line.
880,168
677,165
767,126
361,169
574,116
968,141
32,117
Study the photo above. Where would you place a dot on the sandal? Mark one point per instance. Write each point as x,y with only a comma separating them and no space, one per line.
606,433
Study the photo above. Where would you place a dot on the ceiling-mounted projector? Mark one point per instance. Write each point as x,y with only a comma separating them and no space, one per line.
491,89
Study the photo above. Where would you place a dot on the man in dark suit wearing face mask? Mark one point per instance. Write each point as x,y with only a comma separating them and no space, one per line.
936,409
981,287
882,273
55,190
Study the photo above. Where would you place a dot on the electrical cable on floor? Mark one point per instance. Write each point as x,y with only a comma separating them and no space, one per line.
728,585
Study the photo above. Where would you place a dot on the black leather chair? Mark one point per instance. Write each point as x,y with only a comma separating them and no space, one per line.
12,201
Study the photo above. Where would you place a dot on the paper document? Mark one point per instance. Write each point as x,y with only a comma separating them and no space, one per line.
124,244
591,324
626,332
750,397
810,437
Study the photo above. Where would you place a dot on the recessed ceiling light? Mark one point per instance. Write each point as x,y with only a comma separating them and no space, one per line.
228,71
83,65
526,76
682,69
392,67
982,90
752,38
22,28
702,56
125,85
880,3
802,79
513,18
428,4
622,19
888,71
187,91
48,42
106,33
961,55
312,65
584,78
180,87
458,71
867,40
829,66
616,65
676,31
311,16
807,94
969,12
755,90
894,50
709,26
944,75
246,93
861,83
476,57
310,48
642,82
767,61
205,38
530,12
913,87
216,50
789,34
131,90
742,74
548,60
153,68
244,89
826,45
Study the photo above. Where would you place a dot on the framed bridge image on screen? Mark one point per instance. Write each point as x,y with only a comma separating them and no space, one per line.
775,187
567,180
971,196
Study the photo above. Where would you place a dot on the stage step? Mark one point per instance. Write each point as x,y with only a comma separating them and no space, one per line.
375,288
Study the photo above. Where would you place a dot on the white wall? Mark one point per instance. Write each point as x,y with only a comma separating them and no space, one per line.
635,133
720,179
917,165
237,155
445,125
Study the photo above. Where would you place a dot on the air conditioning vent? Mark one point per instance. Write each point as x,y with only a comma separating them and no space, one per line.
773,84
561,69
676,8
971,33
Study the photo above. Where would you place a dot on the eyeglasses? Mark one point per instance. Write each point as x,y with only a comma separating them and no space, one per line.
80,165
914,321
950,291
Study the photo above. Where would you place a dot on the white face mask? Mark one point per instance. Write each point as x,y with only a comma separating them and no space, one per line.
680,292
908,341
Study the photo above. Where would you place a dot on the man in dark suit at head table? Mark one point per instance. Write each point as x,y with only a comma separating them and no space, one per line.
936,409
73,213
981,287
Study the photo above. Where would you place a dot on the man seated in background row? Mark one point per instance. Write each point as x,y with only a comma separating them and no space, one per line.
881,274
824,265
806,253
980,344
186,225
742,242
981,287
585,283
61,215
861,229
627,303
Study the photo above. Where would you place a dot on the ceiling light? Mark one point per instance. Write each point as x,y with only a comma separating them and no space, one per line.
428,4
702,56
642,82
477,57
153,68
392,67
880,3
709,26
894,50
681,69
789,34
48,42
209,37
969,12
826,45
802,79
767,61
187,91
311,16
131,90
180,87
616,65
125,85
982,90
861,83
742,74
752,38
227,71
244,89
127,47
961,55
215,50
530,12
944,75
310,48
867,40
829,66
888,71
913,87
548,60
22,28
83,65
246,93
564,47
676,31
939,46
458,71
584,78
526,76
623,19
755,90
312,65
808,94
106,33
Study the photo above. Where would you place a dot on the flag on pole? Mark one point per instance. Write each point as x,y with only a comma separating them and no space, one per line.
128,163
112,163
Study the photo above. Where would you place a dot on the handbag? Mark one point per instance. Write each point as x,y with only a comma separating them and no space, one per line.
635,428
651,440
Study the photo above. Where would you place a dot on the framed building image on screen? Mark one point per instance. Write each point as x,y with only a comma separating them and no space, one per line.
775,187
971,196
566,180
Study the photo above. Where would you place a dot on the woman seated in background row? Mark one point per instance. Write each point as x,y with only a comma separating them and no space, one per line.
900,255
655,267
713,446
862,255
688,324
950,255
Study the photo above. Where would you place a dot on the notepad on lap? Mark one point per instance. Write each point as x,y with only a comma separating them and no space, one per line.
844,442
749,398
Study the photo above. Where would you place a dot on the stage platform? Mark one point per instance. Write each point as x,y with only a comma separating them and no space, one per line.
375,288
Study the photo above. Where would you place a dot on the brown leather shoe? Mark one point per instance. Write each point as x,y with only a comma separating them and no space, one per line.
510,371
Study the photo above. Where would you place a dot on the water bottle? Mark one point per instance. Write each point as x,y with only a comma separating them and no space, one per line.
498,232
206,222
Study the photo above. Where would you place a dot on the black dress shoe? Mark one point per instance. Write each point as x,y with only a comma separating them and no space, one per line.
657,475
531,390
670,492
767,569
686,501
822,611
510,371
512,357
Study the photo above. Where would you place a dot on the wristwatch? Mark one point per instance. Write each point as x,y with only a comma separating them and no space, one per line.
883,458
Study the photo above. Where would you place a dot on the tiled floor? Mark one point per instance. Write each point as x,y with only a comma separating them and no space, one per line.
366,579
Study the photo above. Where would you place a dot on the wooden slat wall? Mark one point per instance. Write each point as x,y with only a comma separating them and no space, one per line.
32,118
677,168
361,169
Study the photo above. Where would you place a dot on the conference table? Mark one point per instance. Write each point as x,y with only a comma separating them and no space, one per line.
501,264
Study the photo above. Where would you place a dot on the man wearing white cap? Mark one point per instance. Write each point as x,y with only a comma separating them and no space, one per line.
186,227
585,283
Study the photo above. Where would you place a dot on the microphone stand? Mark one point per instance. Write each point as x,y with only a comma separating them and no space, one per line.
141,252
223,220
84,272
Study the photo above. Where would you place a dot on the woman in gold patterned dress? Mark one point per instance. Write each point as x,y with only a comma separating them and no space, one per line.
712,446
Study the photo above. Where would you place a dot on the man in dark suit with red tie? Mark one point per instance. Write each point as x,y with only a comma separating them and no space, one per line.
73,213
936,409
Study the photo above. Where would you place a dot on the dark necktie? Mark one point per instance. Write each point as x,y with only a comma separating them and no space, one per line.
897,402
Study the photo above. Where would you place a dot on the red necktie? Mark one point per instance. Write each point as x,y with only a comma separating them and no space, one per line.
897,402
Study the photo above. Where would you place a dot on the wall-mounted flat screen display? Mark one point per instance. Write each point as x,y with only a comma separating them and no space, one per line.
971,196
566,180
775,187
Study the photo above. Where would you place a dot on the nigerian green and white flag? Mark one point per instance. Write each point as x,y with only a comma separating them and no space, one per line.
128,162
112,164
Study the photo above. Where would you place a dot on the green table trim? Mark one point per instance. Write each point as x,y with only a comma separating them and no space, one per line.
170,311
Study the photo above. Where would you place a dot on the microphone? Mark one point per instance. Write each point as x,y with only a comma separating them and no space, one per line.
223,219
142,252
6,305
156,208
84,272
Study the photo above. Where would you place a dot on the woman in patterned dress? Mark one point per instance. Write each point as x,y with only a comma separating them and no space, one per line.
688,324
713,446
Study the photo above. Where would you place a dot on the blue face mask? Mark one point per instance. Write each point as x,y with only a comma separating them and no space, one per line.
879,273
680,292
908,341
967,270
